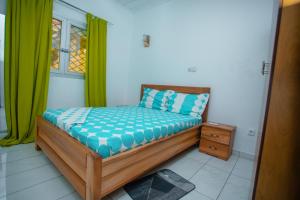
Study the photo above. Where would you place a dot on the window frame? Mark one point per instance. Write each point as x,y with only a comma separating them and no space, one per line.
65,44
62,44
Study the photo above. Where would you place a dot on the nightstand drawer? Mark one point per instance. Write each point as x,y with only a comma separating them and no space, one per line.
215,149
215,134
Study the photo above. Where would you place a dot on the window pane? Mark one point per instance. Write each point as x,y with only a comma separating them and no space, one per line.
77,50
56,40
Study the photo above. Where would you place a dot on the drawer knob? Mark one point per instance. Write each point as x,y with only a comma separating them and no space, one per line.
213,135
212,147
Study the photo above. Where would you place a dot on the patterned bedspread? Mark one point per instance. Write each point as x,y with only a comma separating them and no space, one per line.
111,130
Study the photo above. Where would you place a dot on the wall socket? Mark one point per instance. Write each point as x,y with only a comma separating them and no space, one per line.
251,132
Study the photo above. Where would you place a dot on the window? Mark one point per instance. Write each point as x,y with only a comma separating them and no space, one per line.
68,53
56,40
77,50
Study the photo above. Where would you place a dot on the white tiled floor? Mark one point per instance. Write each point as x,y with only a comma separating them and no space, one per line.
28,175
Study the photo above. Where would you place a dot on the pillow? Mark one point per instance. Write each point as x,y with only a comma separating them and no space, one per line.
155,99
188,104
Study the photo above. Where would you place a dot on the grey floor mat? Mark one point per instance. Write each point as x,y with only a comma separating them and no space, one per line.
162,185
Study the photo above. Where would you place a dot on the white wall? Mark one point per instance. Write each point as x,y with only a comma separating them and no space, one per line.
2,11
2,24
227,42
2,113
276,6
2,6
66,92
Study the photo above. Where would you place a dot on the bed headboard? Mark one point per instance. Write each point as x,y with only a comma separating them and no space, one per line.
182,89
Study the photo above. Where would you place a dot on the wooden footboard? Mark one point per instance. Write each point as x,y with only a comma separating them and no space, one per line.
81,166
127,166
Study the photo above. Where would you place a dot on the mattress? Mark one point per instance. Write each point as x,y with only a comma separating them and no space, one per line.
111,130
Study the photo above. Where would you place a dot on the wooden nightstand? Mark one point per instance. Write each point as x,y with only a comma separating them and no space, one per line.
217,139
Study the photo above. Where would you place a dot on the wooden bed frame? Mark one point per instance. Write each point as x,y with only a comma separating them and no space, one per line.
94,177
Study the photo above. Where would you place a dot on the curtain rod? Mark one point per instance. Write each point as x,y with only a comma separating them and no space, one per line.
81,10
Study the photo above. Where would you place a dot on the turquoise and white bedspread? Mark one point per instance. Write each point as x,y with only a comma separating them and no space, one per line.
109,131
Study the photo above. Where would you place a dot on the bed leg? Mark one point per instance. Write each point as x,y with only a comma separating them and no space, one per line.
93,177
37,147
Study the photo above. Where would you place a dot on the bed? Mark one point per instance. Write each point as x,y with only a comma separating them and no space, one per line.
94,175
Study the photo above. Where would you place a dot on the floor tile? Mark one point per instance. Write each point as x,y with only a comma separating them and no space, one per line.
222,164
49,190
26,152
120,195
199,156
185,167
75,196
72,196
236,188
210,181
194,195
22,165
17,182
17,147
243,168
2,135
27,175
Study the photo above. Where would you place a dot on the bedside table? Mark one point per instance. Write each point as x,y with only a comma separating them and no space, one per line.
217,139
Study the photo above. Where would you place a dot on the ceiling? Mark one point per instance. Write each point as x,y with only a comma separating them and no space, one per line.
136,5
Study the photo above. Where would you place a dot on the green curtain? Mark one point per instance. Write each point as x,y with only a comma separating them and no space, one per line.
95,76
28,39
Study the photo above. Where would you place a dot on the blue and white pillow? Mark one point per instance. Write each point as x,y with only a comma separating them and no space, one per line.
155,99
188,104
